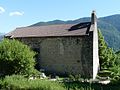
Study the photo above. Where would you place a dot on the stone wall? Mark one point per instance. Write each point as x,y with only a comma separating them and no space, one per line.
64,55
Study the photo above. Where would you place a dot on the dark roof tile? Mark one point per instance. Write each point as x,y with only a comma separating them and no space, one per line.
50,30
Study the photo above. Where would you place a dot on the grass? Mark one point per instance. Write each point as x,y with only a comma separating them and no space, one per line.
21,83
16,82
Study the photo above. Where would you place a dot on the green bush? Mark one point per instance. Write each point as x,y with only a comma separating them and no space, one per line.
75,78
16,58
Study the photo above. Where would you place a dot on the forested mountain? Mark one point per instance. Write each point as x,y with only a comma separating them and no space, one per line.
109,25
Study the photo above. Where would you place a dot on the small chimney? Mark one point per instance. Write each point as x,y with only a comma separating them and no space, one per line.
93,17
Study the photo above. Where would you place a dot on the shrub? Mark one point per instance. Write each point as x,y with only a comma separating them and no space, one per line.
75,78
16,58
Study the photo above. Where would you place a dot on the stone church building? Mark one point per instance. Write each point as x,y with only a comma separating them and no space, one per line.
63,49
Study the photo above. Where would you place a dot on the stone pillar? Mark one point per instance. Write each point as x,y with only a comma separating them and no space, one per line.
95,44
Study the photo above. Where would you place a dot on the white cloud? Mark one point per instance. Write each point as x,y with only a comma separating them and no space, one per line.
2,10
16,13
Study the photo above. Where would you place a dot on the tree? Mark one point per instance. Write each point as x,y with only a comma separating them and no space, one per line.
109,60
106,54
16,58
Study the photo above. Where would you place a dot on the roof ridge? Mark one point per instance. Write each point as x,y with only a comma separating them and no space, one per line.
44,25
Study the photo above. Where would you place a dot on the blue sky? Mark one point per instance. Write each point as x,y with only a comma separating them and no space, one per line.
20,13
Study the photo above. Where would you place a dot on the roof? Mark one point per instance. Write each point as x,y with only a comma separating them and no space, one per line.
51,30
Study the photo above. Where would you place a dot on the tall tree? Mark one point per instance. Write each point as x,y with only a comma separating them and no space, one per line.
106,55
